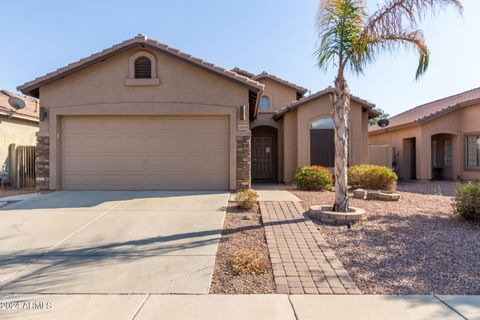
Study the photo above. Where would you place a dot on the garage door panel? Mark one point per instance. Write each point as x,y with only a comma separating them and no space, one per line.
145,153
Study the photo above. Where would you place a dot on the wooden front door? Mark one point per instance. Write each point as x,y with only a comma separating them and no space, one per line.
262,158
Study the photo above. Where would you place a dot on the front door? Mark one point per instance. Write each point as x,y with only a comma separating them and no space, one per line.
262,158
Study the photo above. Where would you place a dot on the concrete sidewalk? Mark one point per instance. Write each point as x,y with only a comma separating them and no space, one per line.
236,307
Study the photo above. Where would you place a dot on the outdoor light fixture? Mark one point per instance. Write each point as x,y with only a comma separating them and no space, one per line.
383,123
43,113
243,112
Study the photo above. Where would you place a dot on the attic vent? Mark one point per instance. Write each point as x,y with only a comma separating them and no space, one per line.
143,68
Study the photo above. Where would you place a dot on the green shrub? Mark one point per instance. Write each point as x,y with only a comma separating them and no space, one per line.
313,178
246,199
367,176
467,200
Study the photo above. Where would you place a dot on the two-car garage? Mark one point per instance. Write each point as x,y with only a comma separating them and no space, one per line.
145,153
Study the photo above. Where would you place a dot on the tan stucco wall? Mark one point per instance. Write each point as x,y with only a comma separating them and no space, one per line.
457,123
101,89
19,132
280,95
297,134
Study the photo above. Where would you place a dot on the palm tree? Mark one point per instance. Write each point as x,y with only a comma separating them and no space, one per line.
349,39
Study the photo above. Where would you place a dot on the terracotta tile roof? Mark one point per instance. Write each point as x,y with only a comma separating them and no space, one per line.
370,107
30,112
32,86
243,72
300,90
431,110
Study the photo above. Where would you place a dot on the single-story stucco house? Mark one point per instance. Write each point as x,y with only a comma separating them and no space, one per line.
436,140
17,127
144,116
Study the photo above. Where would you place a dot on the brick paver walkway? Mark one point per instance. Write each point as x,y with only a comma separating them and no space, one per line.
302,260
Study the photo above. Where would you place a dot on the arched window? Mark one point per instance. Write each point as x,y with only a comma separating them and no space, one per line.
322,123
264,103
322,144
143,68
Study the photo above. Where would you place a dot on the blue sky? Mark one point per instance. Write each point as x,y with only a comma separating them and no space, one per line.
274,35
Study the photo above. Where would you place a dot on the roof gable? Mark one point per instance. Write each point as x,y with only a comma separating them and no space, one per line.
328,91
431,110
31,87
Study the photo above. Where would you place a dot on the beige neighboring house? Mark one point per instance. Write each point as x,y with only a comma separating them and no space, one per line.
144,116
17,127
436,140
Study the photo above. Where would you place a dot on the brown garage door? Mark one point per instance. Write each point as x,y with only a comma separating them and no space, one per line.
145,153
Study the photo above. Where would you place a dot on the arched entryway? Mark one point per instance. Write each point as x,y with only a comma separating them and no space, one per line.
442,156
264,154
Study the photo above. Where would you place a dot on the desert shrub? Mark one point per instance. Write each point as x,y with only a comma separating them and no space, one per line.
313,178
467,200
249,261
246,199
367,176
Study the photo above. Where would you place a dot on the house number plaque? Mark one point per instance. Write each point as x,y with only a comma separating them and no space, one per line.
242,127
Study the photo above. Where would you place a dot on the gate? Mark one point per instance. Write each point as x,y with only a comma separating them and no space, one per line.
22,166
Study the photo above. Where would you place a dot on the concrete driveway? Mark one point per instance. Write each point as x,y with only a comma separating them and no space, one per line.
111,242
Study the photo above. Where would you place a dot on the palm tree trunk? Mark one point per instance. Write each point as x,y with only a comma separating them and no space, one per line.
341,108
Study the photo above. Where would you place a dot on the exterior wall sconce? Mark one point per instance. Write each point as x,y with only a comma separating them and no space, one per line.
243,112
43,113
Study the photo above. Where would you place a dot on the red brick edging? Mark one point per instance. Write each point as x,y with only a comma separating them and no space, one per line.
302,260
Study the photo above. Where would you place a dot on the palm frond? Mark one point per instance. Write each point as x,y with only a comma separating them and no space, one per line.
391,41
395,24
340,24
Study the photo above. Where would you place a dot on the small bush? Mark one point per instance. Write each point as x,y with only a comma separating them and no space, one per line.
249,261
467,201
313,178
367,176
246,199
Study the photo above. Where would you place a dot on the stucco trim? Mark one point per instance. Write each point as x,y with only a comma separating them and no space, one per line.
135,56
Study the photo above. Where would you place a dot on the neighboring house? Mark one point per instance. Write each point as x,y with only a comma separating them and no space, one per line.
143,116
437,140
16,127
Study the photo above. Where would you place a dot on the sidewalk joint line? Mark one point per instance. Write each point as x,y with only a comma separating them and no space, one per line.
293,308
141,306
450,307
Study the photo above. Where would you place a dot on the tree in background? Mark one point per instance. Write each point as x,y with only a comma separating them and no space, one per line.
349,39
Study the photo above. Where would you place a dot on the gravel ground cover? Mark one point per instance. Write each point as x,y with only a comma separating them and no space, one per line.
413,246
241,230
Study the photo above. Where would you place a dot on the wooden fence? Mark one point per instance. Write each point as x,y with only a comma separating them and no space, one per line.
22,166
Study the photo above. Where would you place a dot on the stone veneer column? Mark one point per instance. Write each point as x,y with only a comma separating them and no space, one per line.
244,162
42,163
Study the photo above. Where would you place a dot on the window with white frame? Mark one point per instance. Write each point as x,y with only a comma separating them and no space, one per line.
264,103
472,150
